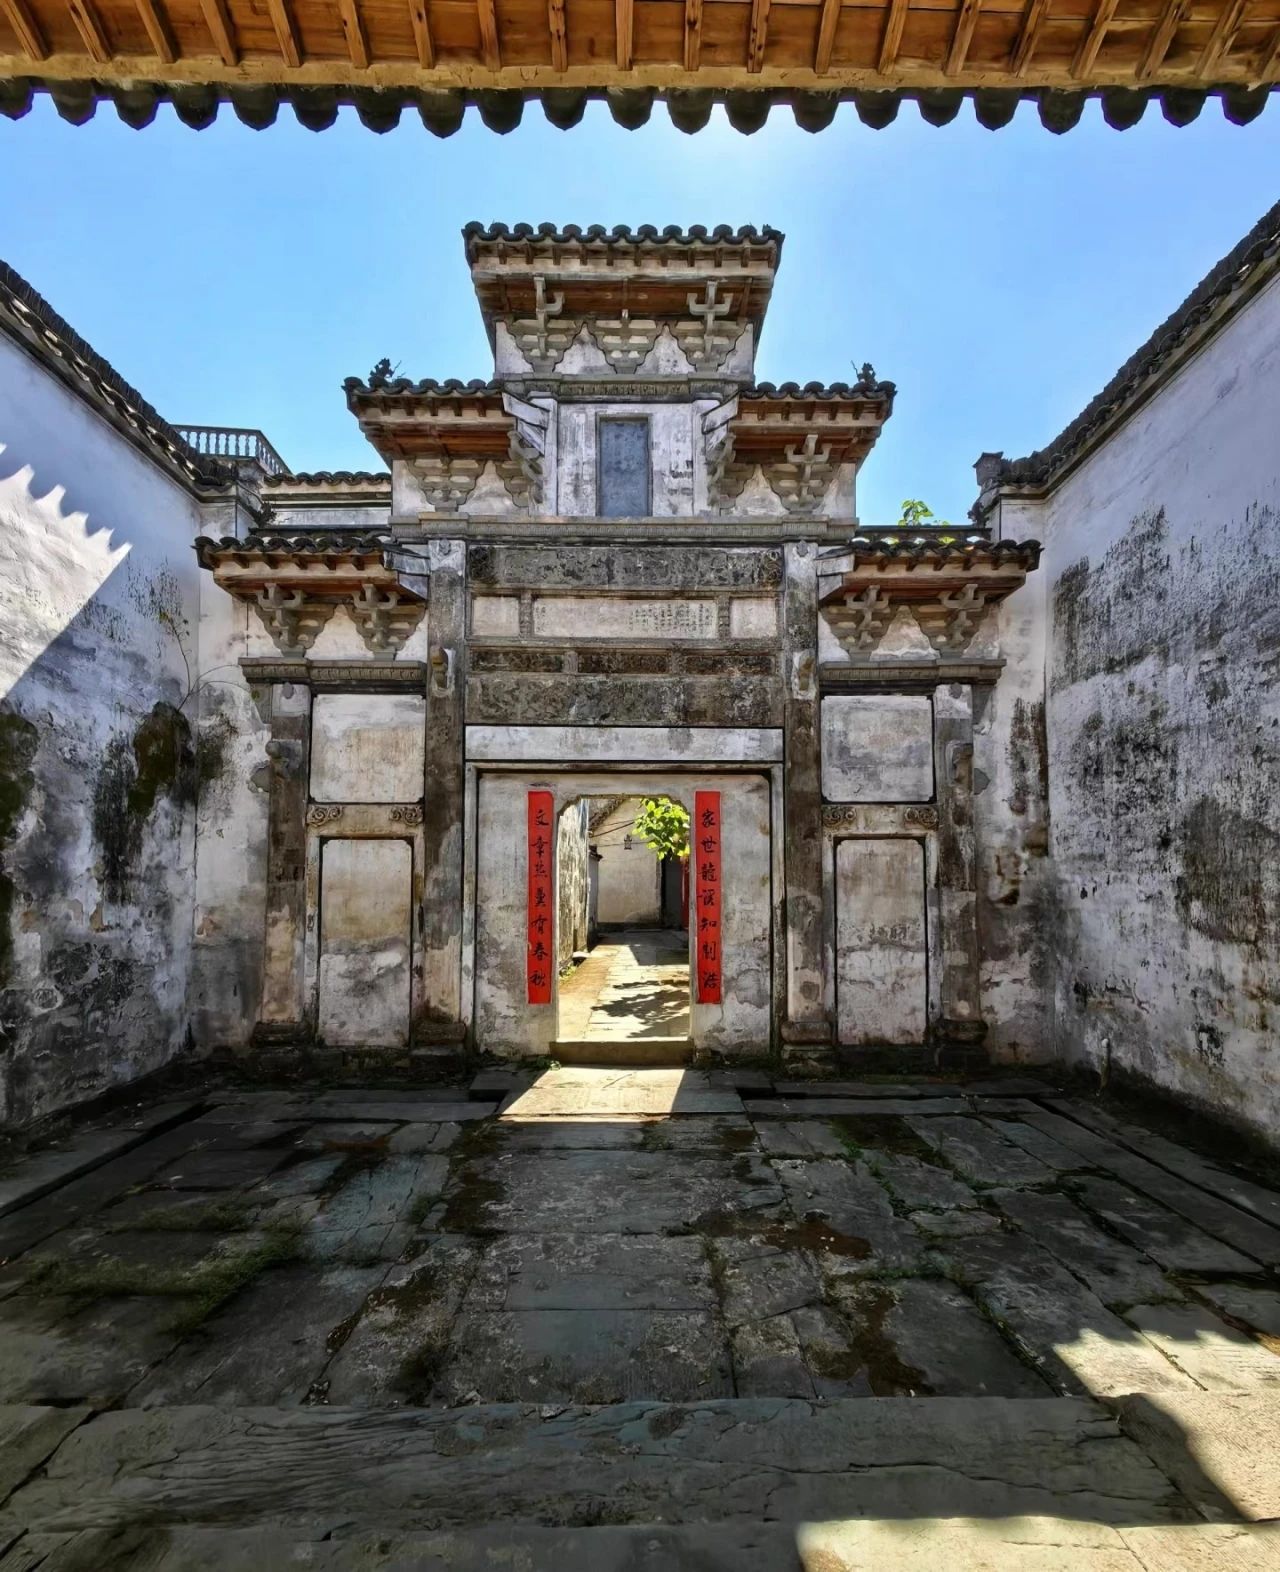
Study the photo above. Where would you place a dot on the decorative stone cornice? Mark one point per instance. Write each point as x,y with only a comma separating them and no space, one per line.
946,583
295,584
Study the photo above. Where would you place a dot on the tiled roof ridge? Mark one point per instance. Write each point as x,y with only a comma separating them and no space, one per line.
920,548
426,387
868,388
625,235
329,477
319,542
1223,280
91,375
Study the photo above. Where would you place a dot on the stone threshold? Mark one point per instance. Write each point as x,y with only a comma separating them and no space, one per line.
636,1051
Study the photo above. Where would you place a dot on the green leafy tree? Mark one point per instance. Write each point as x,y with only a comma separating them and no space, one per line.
663,826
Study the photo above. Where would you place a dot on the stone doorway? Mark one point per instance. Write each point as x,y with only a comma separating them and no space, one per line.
622,940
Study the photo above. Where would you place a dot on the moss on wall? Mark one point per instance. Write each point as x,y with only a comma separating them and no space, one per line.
157,761
18,742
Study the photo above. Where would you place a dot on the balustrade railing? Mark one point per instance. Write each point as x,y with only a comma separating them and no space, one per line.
236,443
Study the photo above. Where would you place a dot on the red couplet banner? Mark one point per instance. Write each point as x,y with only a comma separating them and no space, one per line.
541,929
704,851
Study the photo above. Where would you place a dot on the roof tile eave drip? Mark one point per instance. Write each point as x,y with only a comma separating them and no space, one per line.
29,306
1225,279
328,477
623,234
345,543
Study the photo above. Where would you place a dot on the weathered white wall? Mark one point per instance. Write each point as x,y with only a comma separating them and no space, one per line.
98,652
1163,576
366,902
367,747
881,942
572,874
674,436
628,888
877,748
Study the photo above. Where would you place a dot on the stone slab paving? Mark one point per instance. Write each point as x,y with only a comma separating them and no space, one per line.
642,1302
633,985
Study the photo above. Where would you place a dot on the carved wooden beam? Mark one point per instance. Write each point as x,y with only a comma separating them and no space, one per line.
893,26
757,35
491,49
90,29
286,32
692,34
624,15
1172,17
26,27
218,20
1222,37
826,36
158,30
1090,44
966,21
353,31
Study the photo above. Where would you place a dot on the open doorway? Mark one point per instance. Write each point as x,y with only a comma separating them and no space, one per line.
622,924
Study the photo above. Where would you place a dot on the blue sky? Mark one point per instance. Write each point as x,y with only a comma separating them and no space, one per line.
999,278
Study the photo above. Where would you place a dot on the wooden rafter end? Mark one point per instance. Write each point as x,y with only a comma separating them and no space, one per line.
218,20
26,27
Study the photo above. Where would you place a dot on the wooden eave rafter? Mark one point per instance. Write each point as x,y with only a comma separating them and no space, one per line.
558,29
1032,22
692,34
328,576
490,48
1091,43
624,30
218,20
354,33
1171,18
1222,37
30,36
966,21
156,22
286,32
827,24
89,26
757,35
891,39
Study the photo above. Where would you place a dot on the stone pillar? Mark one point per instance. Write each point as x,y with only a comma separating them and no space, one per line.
285,1015
444,789
804,1021
960,1018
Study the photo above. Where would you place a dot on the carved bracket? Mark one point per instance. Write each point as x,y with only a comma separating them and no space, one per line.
291,618
446,482
710,340
802,482
861,621
950,622
385,618
625,343
324,813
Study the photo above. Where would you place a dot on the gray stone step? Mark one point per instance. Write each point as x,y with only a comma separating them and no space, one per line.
85,1150
634,1050
730,1461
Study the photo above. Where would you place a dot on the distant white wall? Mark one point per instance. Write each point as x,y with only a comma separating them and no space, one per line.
628,877
99,650
1162,571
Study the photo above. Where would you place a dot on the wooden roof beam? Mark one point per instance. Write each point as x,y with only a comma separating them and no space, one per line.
559,35
218,20
1090,44
624,20
158,30
1222,37
353,31
1269,67
966,21
692,34
826,36
286,33
423,42
895,21
757,35
26,27
487,11
1172,17
90,29
1032,22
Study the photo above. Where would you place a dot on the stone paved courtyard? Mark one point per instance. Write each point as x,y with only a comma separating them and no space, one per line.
616,1319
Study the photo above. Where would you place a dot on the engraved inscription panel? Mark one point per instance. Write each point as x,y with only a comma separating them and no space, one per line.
602,617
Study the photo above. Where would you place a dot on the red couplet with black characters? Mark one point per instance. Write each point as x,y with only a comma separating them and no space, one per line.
538,962
704,852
